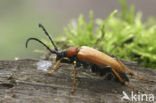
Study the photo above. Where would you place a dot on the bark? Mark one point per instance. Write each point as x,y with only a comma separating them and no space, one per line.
21,82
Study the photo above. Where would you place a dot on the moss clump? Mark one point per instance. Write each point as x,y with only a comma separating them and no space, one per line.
122,34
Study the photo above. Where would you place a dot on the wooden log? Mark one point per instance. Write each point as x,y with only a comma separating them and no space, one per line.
22,82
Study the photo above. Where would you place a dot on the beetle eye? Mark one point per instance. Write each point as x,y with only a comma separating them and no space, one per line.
58,57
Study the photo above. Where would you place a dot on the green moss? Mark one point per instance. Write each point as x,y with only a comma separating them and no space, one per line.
122,34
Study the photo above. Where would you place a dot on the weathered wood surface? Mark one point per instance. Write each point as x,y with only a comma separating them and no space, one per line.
21,82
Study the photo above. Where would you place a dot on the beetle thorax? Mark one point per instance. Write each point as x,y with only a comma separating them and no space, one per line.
72,51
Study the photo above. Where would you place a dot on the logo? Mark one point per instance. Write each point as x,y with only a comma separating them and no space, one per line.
139,97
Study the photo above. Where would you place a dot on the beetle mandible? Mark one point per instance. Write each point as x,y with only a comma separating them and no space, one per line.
88,56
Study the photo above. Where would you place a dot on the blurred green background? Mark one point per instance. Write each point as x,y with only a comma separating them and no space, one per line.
19,20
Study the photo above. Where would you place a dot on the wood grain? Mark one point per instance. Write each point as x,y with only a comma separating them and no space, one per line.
21,82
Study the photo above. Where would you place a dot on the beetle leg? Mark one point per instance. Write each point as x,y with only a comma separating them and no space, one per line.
118,76
123,66
130,87
55,68
139,77
74,80
130,72
122,81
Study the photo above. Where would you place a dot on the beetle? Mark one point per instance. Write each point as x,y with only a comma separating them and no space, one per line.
87,56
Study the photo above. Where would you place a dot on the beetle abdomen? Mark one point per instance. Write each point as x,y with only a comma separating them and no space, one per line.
94,56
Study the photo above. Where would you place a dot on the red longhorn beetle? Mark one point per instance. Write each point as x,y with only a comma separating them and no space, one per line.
86,56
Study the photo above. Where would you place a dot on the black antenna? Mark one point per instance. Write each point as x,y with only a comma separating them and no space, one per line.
41,26
52,51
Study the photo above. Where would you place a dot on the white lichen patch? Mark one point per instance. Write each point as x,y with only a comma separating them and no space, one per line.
43,65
